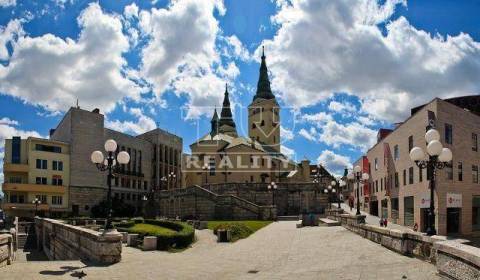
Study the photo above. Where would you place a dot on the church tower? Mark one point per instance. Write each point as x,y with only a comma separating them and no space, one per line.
226,124
264,112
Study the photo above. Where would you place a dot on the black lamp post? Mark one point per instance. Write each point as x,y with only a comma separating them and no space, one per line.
329,190
206,169
36,201
273,187
436,158
358,177
109,164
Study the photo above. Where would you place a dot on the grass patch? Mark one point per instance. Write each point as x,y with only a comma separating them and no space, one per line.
239,229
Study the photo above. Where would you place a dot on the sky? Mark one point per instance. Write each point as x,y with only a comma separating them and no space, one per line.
340,69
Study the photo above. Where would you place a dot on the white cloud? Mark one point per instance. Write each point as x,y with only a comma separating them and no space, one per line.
53,72
9,34
131,11
323,47
238,49
181,54
7,3
333,162
8,121
329,131
286,134
290,153
311,134
141,125
344,107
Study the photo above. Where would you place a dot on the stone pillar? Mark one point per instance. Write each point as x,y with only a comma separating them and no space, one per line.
132,239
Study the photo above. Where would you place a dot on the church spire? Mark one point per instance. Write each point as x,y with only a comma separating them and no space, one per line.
226,114
263,87
214,123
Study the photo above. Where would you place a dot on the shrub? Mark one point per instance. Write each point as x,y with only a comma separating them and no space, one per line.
182,236
238,230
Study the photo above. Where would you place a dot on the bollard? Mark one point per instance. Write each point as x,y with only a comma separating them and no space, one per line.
149,243
132,239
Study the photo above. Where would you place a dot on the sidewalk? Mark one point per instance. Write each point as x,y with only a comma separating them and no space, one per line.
374,220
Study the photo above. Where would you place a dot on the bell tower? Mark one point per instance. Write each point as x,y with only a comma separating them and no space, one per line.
264,112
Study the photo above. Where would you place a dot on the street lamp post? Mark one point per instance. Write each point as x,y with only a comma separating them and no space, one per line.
341,185
273,187
438,157
206,168
358,177
36,201
329,190
109,164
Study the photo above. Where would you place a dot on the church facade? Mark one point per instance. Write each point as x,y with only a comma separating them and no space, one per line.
223,156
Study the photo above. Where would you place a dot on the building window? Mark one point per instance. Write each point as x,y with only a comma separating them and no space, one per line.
48,148
41,163
57,181
420,174
376,185
145,185
410,143
381,184
376,163
476,213
448,134
397,182
404,177
474,142
410,175
42,198
57,200
460,171
475,174
41,180
57,165
16,149
128,196
15,180
396,153
211,163
449,171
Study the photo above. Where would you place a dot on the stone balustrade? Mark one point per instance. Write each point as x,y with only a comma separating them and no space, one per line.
453,259
7,250
61,241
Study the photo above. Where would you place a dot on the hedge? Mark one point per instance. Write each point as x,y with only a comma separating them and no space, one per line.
238,230
184,234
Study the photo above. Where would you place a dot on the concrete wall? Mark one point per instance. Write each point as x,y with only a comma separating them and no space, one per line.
6,249
60,241
452,258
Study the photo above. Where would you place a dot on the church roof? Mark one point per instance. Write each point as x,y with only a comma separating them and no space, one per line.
226,114
263,86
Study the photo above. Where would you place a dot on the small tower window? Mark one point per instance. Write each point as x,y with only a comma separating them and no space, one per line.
254,126
262,123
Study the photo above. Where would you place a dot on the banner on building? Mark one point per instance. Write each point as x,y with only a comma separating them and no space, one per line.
454,200
366,169
425,200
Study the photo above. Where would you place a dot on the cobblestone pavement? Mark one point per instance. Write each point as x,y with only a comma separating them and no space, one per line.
373,220
278,251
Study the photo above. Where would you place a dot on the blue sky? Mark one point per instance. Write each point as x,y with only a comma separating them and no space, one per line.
340,70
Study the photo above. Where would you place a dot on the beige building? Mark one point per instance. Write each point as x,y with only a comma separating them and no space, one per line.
36,168
398,190
222,156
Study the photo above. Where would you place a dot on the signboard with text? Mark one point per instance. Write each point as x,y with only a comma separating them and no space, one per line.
454,200
425,201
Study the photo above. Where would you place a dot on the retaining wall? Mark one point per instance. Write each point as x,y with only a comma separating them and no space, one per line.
7,252
452,258
61,241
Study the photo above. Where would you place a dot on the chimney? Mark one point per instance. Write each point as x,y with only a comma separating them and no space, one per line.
96,111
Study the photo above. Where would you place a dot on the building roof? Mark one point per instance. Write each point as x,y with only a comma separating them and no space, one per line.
263,86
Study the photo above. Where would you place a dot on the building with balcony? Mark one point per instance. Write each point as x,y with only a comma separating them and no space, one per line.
399,190
36,168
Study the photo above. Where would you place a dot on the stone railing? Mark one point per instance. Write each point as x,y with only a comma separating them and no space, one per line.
452,258
7,249
61,241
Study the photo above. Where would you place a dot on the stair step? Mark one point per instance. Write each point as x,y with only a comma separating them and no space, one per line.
329,222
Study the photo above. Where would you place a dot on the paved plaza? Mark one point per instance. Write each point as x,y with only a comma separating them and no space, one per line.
278,251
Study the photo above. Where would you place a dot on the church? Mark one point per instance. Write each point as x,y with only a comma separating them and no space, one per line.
223,156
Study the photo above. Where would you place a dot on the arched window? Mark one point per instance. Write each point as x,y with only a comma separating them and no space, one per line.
262,123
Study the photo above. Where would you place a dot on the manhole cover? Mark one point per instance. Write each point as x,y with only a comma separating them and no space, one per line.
253,271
